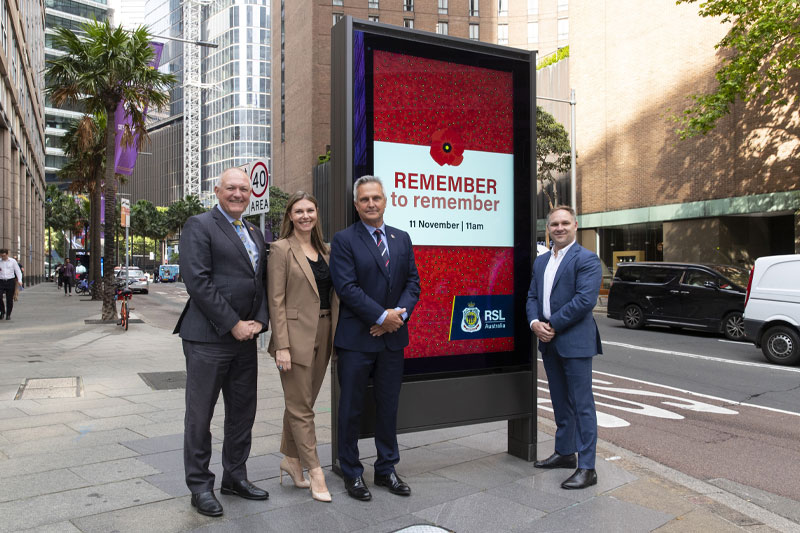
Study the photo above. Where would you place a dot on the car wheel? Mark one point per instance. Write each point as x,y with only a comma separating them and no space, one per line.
632,317
145,291
781,345
733,326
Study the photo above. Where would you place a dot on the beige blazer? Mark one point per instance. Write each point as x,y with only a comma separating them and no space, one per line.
293,301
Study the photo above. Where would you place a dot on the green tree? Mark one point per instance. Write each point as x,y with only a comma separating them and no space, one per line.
143,212
84,145
159,230
52,195
105,67
273,219
552,156
762,52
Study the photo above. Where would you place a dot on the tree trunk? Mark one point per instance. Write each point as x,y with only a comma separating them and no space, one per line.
109,305
95,276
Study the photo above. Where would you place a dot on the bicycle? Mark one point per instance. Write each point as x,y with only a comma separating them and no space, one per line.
124,294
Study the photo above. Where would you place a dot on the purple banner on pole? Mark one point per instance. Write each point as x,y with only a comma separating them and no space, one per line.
125,156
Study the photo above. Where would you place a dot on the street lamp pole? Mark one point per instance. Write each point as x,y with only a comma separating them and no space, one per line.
573,196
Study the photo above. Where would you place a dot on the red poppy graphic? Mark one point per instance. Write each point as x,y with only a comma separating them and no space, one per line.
447,147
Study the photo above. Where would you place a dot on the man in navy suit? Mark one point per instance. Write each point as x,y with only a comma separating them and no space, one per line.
563,292
374,273
223,264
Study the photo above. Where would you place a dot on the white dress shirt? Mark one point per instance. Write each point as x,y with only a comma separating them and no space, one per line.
9,269
549,277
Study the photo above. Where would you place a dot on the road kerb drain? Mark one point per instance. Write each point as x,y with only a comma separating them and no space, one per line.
47,388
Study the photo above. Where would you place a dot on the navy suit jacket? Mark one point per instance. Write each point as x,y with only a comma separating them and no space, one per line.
366,288
574,295
223,287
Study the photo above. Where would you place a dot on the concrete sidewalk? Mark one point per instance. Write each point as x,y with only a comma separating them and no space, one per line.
111,459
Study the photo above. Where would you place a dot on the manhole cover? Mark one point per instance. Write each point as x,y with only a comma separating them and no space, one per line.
164,380
42,388
422,529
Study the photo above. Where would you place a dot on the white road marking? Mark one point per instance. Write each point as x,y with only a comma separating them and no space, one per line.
736,342
703,357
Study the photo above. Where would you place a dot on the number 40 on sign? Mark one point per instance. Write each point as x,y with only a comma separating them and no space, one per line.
259,183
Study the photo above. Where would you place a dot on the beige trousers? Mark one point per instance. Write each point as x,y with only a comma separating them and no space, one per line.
300,389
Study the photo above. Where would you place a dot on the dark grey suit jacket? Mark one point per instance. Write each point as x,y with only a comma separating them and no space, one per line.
222,285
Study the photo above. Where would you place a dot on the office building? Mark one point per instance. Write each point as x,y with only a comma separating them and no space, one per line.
22,134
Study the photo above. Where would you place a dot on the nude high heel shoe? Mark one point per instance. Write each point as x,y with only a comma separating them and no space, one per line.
323,495
297,477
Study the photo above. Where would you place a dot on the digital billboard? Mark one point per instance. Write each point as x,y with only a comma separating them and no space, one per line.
448,133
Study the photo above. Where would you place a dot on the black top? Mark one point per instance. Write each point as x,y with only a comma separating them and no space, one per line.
322,275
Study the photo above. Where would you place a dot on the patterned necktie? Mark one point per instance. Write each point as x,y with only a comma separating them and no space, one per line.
382,246
248,245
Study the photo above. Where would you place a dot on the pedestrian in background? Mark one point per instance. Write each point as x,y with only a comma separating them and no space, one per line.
563,291
303,309
10,281
59,275
68,272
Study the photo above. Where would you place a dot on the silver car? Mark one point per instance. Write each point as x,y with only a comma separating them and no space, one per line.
139,280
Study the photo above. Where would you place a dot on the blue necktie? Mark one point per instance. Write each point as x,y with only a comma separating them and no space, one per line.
248,245
382,246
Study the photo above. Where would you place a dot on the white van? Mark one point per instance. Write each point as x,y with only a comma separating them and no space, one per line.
772,308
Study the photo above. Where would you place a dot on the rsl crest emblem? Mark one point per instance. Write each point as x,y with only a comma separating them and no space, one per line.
471,319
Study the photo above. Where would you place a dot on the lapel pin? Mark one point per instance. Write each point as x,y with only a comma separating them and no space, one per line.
392,234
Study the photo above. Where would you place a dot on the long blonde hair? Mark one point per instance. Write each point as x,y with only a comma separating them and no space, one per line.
287,226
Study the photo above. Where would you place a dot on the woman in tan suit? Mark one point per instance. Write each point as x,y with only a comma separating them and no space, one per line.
301,302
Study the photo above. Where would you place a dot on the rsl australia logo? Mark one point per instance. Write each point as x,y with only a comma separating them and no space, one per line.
471,318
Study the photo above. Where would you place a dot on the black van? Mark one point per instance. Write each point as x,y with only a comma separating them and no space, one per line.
683,295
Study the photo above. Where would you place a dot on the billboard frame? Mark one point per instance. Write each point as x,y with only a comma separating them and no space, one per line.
443,402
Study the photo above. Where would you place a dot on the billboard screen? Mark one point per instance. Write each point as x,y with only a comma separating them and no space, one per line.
448,133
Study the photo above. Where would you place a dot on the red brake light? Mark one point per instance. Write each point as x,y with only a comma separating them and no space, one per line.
749,284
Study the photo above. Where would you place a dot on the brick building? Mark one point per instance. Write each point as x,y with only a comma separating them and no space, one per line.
727,197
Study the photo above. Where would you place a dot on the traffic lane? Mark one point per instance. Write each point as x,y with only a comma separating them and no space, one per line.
759,382
162,306
702,436
682,340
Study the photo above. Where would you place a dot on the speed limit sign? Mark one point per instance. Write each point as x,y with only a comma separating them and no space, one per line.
259,183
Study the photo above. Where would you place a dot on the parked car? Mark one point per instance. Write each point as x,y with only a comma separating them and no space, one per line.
139,283
679,295
772,308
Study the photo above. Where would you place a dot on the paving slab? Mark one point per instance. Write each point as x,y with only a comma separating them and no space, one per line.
64,459
110,471
28,485
166,516
469,514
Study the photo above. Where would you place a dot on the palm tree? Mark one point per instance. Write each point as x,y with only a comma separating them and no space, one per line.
101,69
84,145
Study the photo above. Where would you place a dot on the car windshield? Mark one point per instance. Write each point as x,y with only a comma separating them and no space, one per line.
736,274
134,274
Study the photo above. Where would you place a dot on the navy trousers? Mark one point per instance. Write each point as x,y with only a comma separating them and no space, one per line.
570,380
354,371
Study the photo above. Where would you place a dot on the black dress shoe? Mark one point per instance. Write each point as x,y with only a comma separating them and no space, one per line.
582,478
207,504
244,489
2,315
393,483
557,461
356,488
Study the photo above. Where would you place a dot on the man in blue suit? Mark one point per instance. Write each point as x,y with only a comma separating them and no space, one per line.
374,273
563,292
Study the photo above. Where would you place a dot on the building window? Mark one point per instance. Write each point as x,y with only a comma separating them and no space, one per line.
441,28
563,5
533,32
502,34
533,7
473,8
408,5
502,8
408,23
563,29
475,32
337,17
374,18
338,2
443,7
374,4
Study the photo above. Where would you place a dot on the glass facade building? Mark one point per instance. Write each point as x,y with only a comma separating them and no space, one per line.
69,14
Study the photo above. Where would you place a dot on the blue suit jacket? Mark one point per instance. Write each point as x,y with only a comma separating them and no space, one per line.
574,295
366,288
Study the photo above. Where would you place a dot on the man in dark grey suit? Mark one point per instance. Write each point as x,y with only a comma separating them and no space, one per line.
223,264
